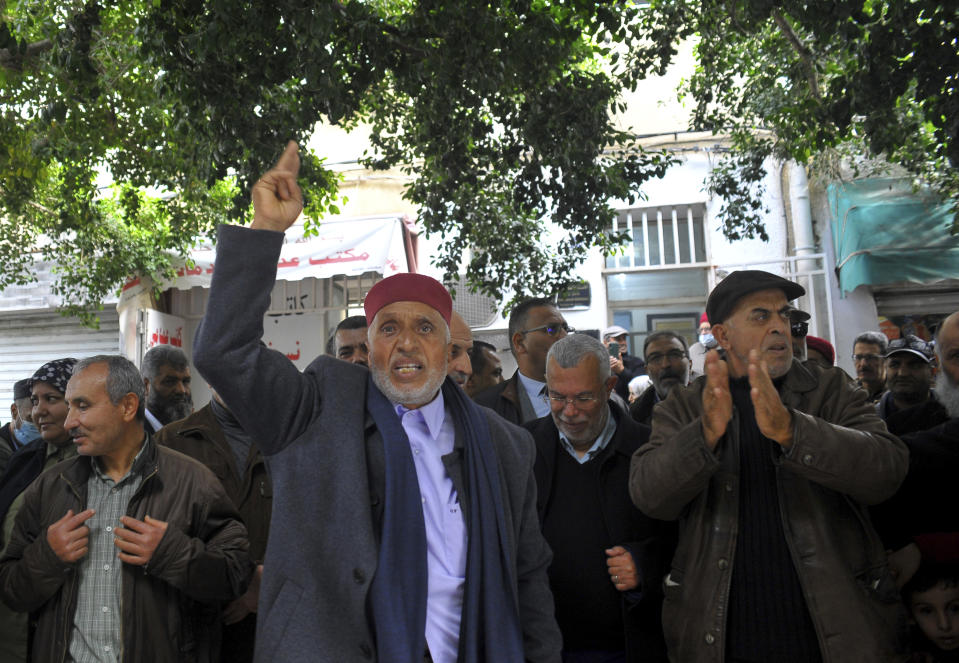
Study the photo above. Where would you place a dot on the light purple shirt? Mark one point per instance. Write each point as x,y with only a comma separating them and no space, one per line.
431,435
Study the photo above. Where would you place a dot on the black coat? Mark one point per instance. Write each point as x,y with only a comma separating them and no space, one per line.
651,541
926,501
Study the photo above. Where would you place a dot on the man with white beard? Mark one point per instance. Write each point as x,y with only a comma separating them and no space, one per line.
925,502
404,524
947,349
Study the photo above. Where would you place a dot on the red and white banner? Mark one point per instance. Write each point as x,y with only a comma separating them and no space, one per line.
349,247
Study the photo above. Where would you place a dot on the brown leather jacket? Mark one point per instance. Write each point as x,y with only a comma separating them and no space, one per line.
170,612
200,436
842,459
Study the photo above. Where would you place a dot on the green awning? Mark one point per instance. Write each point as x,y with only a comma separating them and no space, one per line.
884,232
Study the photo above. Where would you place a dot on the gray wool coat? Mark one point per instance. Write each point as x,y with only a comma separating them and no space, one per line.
325,456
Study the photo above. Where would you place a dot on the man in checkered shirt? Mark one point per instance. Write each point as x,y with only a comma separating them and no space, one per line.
123,551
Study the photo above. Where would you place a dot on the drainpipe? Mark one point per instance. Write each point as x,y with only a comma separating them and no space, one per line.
801,215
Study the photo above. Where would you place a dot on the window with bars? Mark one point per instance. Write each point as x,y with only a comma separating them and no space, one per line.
661,236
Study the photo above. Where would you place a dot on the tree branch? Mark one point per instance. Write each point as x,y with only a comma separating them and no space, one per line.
805,54
13,59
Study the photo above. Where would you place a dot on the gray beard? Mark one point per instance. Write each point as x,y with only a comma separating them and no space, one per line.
169,411
420,396
947,392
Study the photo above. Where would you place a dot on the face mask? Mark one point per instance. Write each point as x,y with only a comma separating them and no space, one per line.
26,434
706,339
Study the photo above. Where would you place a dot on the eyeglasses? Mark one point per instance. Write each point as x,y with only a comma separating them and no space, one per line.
580,400
866,358
671,356
550,330
799,329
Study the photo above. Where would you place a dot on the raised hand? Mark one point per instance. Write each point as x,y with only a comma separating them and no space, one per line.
717,400
69,537
138,539
772,417
277,199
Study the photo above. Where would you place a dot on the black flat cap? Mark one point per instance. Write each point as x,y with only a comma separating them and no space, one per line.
722,300
21,389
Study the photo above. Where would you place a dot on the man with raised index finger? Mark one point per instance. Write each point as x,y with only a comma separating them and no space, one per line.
768,465
123,552
412,511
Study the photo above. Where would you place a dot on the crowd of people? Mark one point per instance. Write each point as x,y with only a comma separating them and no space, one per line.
741,499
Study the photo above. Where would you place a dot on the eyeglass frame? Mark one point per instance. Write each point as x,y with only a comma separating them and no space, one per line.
869,358
578,401
657,357
545,328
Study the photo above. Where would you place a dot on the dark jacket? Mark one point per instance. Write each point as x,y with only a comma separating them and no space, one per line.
651,542
169,609
8,445
326,459
503,399
918,417
842,459
200,436
641,409
926,501
25,465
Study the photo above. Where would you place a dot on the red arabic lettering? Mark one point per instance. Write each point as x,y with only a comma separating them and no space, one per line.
165,337
292,262
132,282
178,339
341,256
196,270
296,355
153,339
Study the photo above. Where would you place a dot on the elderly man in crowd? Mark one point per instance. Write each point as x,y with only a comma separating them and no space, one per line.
769,464
624,366
926,502
115,550
867,353
461,342
909,403
608,558
213,436
348,341
486,366
668,366
20,431
412,511
534,325
166,374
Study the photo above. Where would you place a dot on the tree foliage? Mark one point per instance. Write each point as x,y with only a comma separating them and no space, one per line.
817,81
499,111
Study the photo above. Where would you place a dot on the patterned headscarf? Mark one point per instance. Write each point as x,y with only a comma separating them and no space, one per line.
56,373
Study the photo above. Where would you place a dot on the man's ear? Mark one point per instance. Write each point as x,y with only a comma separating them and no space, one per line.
610,384
146,386
519,346
721,334
128,407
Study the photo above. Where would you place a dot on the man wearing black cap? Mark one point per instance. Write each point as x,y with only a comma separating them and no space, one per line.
909,404
769,465
20,431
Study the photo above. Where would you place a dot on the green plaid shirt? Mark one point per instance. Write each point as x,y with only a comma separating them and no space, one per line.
98,623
